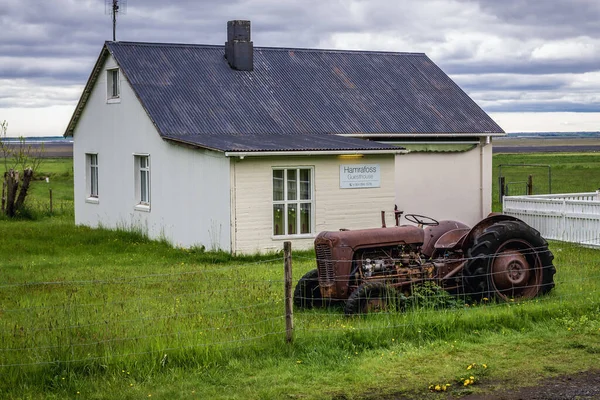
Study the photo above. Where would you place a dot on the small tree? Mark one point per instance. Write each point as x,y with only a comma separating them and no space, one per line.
17,156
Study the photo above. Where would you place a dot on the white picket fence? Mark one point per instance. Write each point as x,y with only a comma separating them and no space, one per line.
571,217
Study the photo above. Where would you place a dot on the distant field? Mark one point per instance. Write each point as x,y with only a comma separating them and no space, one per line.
546,144
567,173
52,149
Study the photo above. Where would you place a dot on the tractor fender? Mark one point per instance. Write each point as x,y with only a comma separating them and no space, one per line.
482,225
433,235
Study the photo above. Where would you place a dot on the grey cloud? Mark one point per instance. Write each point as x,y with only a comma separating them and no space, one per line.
547,19
488,46
536,106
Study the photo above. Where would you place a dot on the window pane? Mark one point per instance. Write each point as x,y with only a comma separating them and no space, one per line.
115,83
278,185
143,162
291,219
144,186
278,219
92,174
291,185
94,181
305,218
305,184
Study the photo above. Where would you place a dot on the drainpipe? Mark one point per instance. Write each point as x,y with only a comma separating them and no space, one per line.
482,143
232,206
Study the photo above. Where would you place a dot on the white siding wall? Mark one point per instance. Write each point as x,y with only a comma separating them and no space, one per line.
189,188
335,208
455,186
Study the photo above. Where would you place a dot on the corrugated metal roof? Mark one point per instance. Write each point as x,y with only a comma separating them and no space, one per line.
281,142
191,90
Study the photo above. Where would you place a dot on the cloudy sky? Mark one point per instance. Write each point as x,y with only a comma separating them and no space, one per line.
533,65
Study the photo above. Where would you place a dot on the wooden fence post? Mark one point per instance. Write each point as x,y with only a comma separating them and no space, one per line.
501,187
3,196
289,311
530,185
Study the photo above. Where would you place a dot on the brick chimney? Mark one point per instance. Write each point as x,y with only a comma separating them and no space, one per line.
239,50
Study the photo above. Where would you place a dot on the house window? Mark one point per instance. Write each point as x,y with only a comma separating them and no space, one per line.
92,176
293,205
112,84
142,180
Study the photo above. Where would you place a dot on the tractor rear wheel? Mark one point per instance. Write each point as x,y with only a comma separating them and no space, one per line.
372,297
509,260
307,293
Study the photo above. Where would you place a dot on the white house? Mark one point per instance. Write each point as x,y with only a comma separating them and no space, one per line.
240,148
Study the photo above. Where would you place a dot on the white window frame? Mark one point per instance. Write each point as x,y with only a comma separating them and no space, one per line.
92,174
297,202
142,181
113,85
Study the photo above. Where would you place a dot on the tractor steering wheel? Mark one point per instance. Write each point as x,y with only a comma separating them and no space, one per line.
421,220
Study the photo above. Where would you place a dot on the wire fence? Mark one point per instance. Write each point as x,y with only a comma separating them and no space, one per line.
56,322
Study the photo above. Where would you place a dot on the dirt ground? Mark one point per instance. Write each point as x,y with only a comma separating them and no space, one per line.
580,386
584,385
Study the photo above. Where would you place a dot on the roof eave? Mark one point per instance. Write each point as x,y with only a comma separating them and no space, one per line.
264,153
190,144
86,91
421,135
313,153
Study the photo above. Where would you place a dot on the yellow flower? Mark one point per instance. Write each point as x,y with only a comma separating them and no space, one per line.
471,378
466,382
485,299
437,388
469,367
484,365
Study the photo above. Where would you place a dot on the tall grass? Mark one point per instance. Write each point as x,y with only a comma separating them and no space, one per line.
90,303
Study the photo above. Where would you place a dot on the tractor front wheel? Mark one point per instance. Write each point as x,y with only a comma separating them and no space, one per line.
372,297
509,260
307,293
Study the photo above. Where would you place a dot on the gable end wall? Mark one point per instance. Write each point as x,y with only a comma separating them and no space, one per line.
189,188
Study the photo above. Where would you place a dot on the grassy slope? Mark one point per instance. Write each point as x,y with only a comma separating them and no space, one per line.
332,356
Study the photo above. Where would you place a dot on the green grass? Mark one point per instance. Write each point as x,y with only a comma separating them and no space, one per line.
59,172
92,314
570,173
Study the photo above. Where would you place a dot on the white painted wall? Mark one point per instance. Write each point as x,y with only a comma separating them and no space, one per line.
189,188
455,186
336,208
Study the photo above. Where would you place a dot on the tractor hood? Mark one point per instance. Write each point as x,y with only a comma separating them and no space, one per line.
395,235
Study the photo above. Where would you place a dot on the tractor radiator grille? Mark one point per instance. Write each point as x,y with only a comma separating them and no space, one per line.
324,263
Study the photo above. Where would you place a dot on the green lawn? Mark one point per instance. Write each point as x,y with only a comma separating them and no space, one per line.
111,315
569,173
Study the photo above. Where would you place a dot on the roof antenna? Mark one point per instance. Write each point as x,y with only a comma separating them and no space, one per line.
113,7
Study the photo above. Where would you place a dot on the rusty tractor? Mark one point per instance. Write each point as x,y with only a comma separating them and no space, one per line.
501,258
